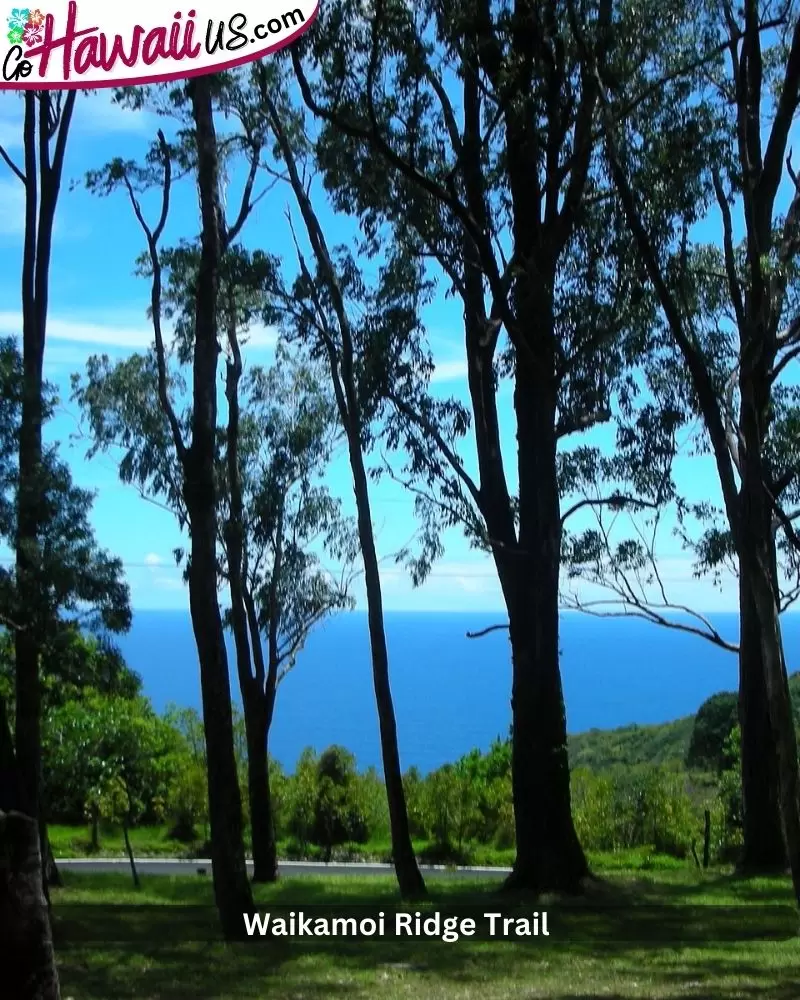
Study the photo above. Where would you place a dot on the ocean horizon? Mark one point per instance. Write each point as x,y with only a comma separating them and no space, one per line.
451,693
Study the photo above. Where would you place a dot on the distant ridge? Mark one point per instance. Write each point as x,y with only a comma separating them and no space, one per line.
666,743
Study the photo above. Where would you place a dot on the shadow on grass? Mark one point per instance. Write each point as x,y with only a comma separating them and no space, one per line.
621,940
480,970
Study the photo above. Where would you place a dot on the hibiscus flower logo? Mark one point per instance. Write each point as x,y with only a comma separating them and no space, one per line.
18,19
32,35
25,26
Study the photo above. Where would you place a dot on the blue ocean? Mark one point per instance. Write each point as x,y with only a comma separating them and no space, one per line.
452,693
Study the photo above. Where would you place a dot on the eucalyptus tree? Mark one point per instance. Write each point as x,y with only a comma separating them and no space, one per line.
467,131
79,584
273,450
367,335
744,102
191,437
622,560
273,515
46,123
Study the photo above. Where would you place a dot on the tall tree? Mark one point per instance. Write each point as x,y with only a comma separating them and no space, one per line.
270,450
47,119
278,588
747,171
199,487
192,481
469,129
274,447
318,307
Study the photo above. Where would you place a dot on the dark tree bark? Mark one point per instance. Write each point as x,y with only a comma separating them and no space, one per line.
757,301
231,886
41,176
341,362
257,689
756,548
262,823
543,203
763,849
27,958
409,877
549,855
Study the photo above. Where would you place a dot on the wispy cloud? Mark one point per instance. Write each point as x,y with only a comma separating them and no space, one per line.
449,371
123,335
152,559
95,114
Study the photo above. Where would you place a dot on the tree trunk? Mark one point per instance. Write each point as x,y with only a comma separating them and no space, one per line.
29,501
549,855
27,960
756,558
42,187
129,850
262,825
409,877
763,849
12,794
231,886
780,713
343,377
52,876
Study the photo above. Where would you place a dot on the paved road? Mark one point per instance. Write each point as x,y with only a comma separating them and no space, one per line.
202,866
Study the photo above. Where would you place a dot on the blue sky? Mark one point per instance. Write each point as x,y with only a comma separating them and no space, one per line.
97,305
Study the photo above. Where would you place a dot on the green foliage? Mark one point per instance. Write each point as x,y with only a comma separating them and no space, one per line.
72,661
75,577
328,803
728,829
645,806
600,749
110,757
716,719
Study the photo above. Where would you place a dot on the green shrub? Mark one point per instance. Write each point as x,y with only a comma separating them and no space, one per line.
641,807
715,720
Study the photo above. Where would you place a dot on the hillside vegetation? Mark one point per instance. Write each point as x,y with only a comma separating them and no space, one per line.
663,744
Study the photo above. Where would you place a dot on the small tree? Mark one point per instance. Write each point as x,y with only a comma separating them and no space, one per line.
716,719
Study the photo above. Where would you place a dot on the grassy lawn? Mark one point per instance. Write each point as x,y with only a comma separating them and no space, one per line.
154,842
664,934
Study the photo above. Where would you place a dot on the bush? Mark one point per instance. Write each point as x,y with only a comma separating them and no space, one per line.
642,807
715,720
727,811
327,803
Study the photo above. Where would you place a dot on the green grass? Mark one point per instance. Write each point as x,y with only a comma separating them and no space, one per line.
660,934
147,841
154,842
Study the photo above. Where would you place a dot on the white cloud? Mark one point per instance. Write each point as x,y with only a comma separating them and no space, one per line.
260,337
125,334
83,332
152,559
97,113
449,371
681,587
